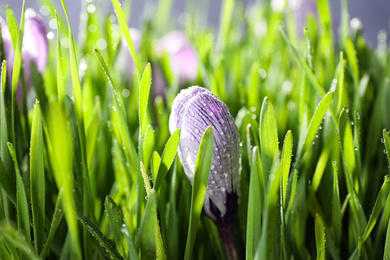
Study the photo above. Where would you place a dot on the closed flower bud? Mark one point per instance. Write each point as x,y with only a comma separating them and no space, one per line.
182,55
193,110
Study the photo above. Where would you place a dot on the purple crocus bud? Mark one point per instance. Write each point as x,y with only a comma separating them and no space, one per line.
125,62
193,110
183,57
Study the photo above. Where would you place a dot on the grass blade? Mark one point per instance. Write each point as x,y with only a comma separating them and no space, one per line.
386,254
336,207
21,198
379,204
144,96
108,246
57,217
201,176
320,237
286,163
315,122
115,221
386,141
18,239
7,177
167,158
268,136
254,208
37,179
126,34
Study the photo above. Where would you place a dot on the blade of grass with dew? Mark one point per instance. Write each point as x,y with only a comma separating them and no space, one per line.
130,151
146,81
37,179
348,150
336,208
149,235
167,158
21,198
268,136
320,237
379,204
201,176
386,141
104,242
286,162
18,239
292,194
253,229
16,74
314,124
8,182
57,217
115,221
310,75
126,34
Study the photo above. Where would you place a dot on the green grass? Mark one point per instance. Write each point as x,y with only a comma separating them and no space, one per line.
90,172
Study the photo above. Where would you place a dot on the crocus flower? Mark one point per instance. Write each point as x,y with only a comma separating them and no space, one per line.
183,57
35,47
125,62
193,110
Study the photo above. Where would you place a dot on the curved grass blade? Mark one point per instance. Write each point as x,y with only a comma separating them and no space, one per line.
104,242
253,229
167,158
115,221
37,179
21,198
268,136
315,122
286,163
126,34
17,239
156,160
201,176
57,217
146,81
130,151
379,204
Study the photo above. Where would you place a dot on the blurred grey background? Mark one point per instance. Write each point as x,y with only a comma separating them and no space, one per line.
375,14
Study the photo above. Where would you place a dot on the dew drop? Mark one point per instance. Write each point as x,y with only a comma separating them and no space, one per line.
383,140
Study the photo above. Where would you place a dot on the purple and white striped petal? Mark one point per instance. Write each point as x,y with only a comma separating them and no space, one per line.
193,110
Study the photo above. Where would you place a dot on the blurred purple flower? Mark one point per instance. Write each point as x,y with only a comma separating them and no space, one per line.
301,9
183,57
193,110
124,60
35,47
